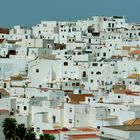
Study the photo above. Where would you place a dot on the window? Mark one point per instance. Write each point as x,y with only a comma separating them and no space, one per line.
70,120
37,70
66,84
94,64
77,84
17,107
69,30
89,100
119,96
113,25
98,73
70,109
38,129
73,84
113,110
109,24
25,107
89,40
91,80
65,63
104,54
92,72
84,74
5,85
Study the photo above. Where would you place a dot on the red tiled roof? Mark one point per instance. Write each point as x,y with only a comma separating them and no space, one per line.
87,129
135,121
134,76
135,52
51,131
1,40
83,136
4,31
56,131
4,111
76,98
3,91
121,91
126,91
44,89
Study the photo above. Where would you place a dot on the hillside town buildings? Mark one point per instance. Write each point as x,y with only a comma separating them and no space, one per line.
73,79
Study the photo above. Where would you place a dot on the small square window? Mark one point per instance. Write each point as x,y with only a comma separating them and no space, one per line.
37,70
65,63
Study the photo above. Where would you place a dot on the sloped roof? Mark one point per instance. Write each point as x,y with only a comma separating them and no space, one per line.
76,98
134,76
4,31
11,41
1,40
16,78
3,91
126,91
121,91
127,48
135,52
83,136
135,121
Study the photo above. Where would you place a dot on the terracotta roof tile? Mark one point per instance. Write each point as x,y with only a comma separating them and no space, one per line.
3,91
16,78
83,136
76,98
1,40
4,31
135,121
126,91
121,91
134,52
134,76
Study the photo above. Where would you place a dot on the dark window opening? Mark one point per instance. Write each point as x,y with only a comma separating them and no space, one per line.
65,63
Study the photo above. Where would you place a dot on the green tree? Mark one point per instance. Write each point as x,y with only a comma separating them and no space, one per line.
30,135
9,127
47,137
20,132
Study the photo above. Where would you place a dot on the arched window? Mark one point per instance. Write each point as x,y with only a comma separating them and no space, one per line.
98,73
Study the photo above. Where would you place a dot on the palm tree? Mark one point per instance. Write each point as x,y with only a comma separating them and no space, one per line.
9,127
